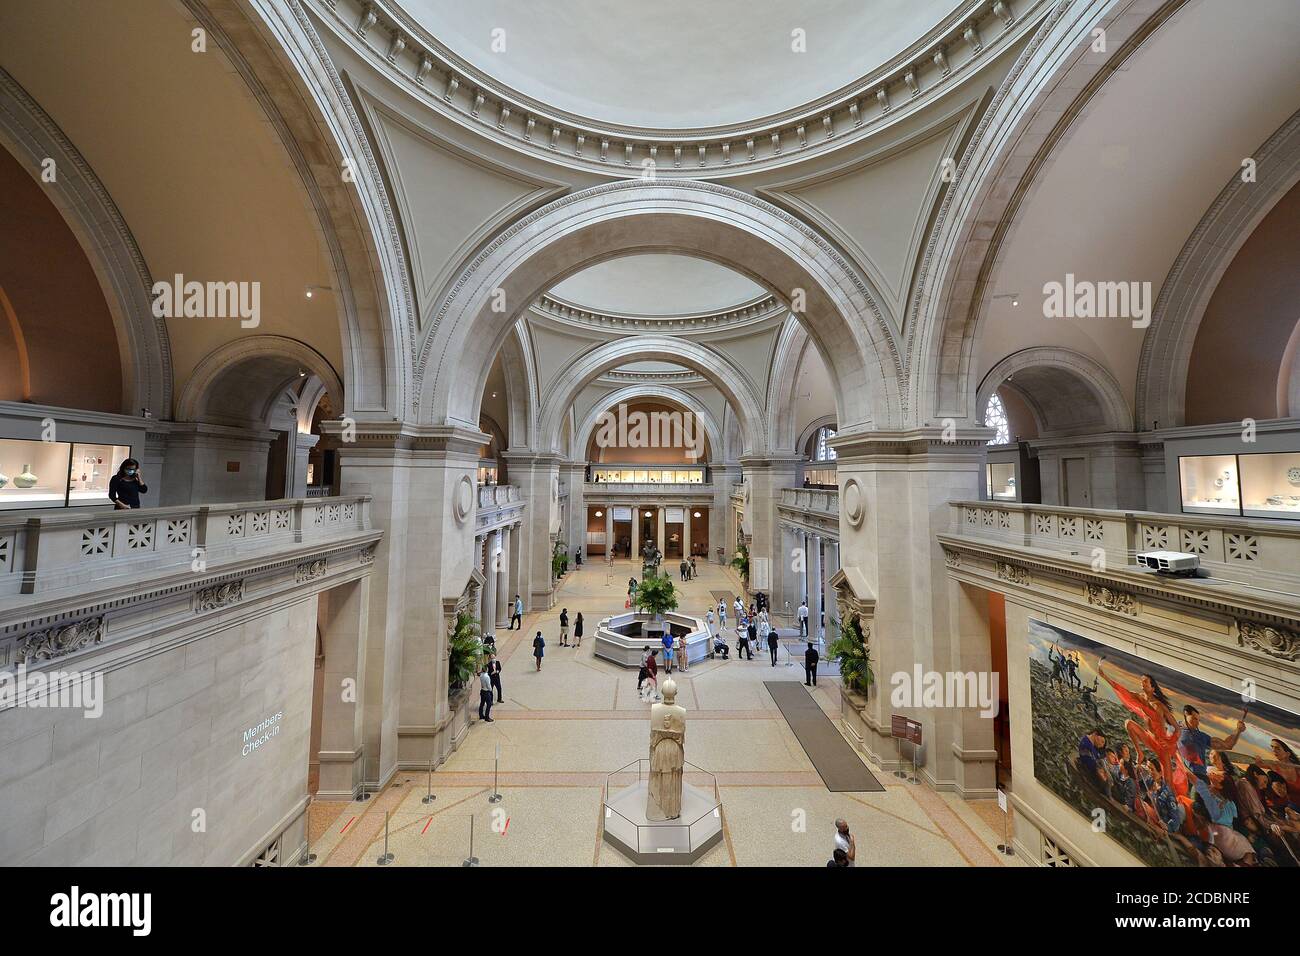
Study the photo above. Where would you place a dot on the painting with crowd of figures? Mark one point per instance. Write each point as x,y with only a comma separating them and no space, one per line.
1179,771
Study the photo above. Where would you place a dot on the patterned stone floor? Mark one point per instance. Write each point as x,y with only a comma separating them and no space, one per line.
561,730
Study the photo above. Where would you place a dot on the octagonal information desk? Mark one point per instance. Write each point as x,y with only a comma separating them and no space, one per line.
623,637
683,840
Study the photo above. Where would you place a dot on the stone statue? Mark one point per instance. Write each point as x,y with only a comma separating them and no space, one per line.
667,756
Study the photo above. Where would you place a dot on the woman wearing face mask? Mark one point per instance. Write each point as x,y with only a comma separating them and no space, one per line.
126,487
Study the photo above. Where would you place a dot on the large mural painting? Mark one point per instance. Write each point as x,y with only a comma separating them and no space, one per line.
1184,773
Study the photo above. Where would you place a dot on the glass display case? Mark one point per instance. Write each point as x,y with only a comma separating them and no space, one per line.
1270,485
1000,481
33,474
56,474
92,467
1209,484
648,476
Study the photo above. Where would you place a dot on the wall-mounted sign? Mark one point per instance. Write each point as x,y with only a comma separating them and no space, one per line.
622,514
259,736
674,515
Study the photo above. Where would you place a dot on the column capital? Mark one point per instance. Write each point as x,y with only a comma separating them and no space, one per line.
954,441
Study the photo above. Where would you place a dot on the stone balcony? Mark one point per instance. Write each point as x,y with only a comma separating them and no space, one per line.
647,492
74,581
498,506
1253,561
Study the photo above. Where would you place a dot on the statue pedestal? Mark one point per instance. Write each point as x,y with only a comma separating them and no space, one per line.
680,841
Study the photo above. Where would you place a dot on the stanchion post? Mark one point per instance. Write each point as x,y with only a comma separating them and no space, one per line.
1005,847
385,858
496,767
308,857
428,793
471,860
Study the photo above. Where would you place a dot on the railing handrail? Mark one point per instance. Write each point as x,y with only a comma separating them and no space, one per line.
1273,526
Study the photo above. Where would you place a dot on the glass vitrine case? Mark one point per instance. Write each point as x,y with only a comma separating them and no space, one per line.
1209,484
1000,481
1270,485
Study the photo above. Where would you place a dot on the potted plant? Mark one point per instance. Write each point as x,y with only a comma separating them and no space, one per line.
559,561
465,651
656,595
740,561
850,651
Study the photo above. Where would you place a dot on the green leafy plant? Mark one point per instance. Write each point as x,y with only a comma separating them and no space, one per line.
559,560
656,594
466,650
854,657
740,561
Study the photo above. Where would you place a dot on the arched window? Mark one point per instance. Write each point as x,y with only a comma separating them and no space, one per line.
822,451
995,416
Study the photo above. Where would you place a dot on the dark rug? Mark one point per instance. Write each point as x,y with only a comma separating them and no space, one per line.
839,765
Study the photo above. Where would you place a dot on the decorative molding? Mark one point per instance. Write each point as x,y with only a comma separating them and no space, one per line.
463,499
1279,642
853,503
367,555
1113,600
217,596
951,558
309,571
60,640
965,40
1012,573
756,310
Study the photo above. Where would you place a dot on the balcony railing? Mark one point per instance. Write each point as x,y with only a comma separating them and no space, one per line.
817,500
71,550
1260,553
494,496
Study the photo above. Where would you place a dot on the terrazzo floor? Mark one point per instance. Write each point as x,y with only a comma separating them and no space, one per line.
561,730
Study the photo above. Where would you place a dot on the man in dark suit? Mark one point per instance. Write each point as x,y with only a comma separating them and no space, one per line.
494,674
810,659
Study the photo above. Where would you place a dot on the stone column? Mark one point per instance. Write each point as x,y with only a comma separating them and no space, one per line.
505,577
422,483
538,479
636,532
720,535
814,586
609,532
296,483
661,532
830,564
488,610
343,614
973,740
894,492
767,477
686,532
575,532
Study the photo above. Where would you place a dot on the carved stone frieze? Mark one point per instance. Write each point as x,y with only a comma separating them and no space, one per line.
1012,573
1113,600
309,571
57,641
217,596
1280,642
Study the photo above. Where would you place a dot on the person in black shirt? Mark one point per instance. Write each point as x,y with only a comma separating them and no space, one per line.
494,675
126,487
810,659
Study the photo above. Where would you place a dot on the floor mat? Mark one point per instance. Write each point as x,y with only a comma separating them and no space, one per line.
839,765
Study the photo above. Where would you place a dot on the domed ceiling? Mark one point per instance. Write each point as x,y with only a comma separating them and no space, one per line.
677,64
657,285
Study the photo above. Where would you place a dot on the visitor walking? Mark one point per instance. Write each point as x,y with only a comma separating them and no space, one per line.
751,632
577,558
844,841
539,647
803,619
679,650
517,614
494,673
722,615
682,569
739,606
652,676
577,630
708,623
768,633
484,697
668,651
564,627
694,570
810,659
742,642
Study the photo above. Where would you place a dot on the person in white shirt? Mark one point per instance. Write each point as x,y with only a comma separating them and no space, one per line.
767,636
803,619
844,841
708,622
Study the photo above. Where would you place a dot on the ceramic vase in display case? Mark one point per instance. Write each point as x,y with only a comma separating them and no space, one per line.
26,479
4,479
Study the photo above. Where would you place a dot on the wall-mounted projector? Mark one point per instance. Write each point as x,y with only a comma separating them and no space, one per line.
1170,562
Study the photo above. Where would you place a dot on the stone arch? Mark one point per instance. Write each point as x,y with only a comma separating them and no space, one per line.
782,405
269,361
1047,88
29,133
1068,392
732,228
289,72
521,387
584,369
666,393
812,428
1201,263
